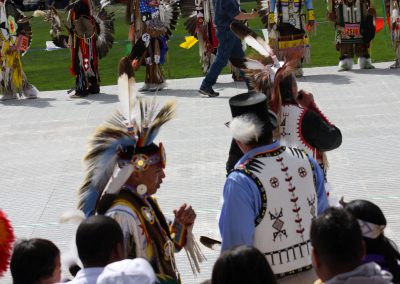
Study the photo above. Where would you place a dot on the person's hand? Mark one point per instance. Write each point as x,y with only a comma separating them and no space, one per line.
135,64
305,99
185,215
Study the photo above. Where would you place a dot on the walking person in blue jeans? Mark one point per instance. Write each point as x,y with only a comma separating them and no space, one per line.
226,11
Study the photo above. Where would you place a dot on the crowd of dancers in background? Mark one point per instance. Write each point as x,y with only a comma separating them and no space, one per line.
88,33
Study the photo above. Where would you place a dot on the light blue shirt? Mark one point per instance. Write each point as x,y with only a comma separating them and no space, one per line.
242,202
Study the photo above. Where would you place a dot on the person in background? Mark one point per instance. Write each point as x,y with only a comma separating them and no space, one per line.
136,270
35,261
379,248
225,12
338,250
242,264
99,241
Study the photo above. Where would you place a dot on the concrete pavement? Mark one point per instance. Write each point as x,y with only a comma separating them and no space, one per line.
43,142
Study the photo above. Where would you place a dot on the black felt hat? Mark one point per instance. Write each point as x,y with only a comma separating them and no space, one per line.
253,103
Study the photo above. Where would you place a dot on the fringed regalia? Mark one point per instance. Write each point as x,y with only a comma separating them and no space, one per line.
392,12
90,37
287,27
84,52
121,148
355,29
15,39
151,23
199,23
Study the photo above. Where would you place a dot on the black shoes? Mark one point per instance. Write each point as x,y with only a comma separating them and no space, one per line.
208,92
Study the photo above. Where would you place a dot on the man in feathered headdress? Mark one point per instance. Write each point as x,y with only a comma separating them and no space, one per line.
151,23
300,122
272,194
15,38
90,38
83,49
288,30
354,22
125,170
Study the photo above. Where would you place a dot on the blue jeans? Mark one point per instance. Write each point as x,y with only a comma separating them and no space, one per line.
229,46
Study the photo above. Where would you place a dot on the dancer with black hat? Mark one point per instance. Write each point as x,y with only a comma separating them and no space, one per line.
272,194
300,122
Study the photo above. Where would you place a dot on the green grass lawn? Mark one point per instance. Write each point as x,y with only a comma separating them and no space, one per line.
50,70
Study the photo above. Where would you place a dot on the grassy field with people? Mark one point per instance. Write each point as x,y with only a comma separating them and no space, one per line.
49,70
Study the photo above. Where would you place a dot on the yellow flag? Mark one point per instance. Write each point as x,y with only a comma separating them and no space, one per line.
189,42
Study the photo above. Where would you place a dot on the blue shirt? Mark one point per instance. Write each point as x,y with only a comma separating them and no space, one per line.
242,202
225,12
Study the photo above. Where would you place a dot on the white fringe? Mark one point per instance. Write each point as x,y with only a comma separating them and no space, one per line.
193,251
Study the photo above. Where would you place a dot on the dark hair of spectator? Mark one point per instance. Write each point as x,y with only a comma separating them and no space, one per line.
370,212
33,260
243,264
336,238
96,238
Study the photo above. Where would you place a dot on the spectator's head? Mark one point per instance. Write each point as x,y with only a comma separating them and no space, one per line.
337,243
35,261
99,241
136,270
252,123
243,264
373,222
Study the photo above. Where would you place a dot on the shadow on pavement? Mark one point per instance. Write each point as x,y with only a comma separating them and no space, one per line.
326,78
377,71
38,103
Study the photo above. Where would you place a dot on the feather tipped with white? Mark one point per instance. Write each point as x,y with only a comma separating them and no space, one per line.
126,89
72,216
254,64
118,178
246,128
252,39
395,15
104,3
258,44
39,13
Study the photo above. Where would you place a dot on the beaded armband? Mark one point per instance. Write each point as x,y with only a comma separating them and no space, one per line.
271,18
178,234
311,15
